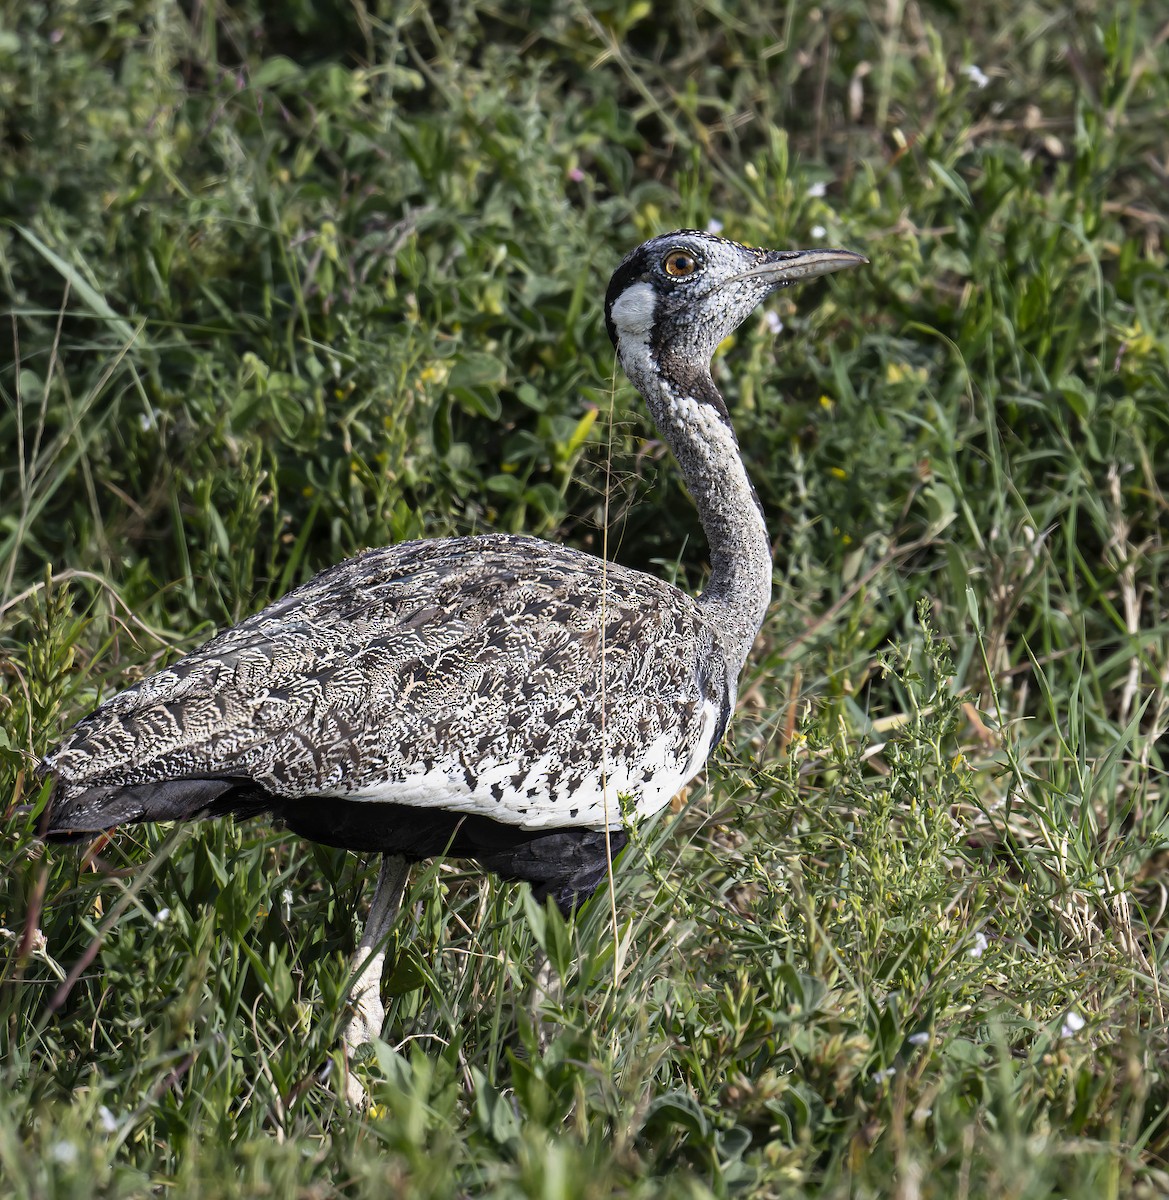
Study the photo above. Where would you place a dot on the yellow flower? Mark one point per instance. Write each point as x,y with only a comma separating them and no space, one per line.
1136,341
434,373
900,372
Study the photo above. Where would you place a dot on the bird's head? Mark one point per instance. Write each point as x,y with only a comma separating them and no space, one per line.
676,297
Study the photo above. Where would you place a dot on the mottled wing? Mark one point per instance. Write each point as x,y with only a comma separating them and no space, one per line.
499,676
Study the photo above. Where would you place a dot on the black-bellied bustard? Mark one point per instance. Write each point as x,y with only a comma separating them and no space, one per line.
486,697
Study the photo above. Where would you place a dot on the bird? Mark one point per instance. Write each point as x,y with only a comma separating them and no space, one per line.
497,697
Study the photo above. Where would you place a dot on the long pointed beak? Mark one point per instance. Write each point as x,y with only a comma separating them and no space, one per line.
790,266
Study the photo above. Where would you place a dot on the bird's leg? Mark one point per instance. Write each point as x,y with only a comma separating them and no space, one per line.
365,994
547,996
547,991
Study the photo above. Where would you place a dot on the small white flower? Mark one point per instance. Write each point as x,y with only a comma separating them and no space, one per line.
918,1039
773,322
818,231
286,897
881,1076
161,915
64,1153
976,75
714,225
1072,1024
980,944
817,190
107,1120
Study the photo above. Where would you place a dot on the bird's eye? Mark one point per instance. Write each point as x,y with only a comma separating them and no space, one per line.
679,264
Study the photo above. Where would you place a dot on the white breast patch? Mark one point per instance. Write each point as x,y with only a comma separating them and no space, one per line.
521,794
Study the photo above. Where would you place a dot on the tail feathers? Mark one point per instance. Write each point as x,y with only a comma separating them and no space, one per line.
75,810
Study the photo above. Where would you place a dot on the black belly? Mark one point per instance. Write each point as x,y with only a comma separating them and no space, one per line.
566,864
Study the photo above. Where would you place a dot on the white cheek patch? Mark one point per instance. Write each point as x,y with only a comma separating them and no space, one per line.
633,315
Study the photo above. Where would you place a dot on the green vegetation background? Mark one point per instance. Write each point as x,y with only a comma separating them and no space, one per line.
281,282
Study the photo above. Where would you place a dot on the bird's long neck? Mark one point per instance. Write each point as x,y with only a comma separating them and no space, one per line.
692,416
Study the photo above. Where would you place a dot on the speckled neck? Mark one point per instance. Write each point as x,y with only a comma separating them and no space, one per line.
691,415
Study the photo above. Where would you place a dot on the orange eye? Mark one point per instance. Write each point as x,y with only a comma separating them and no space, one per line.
679,264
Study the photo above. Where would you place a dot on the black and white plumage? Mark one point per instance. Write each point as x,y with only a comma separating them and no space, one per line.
491,697
460,675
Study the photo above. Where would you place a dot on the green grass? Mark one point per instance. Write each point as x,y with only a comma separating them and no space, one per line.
281,282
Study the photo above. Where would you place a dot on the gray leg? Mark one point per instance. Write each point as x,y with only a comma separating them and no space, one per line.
547,991
367,963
